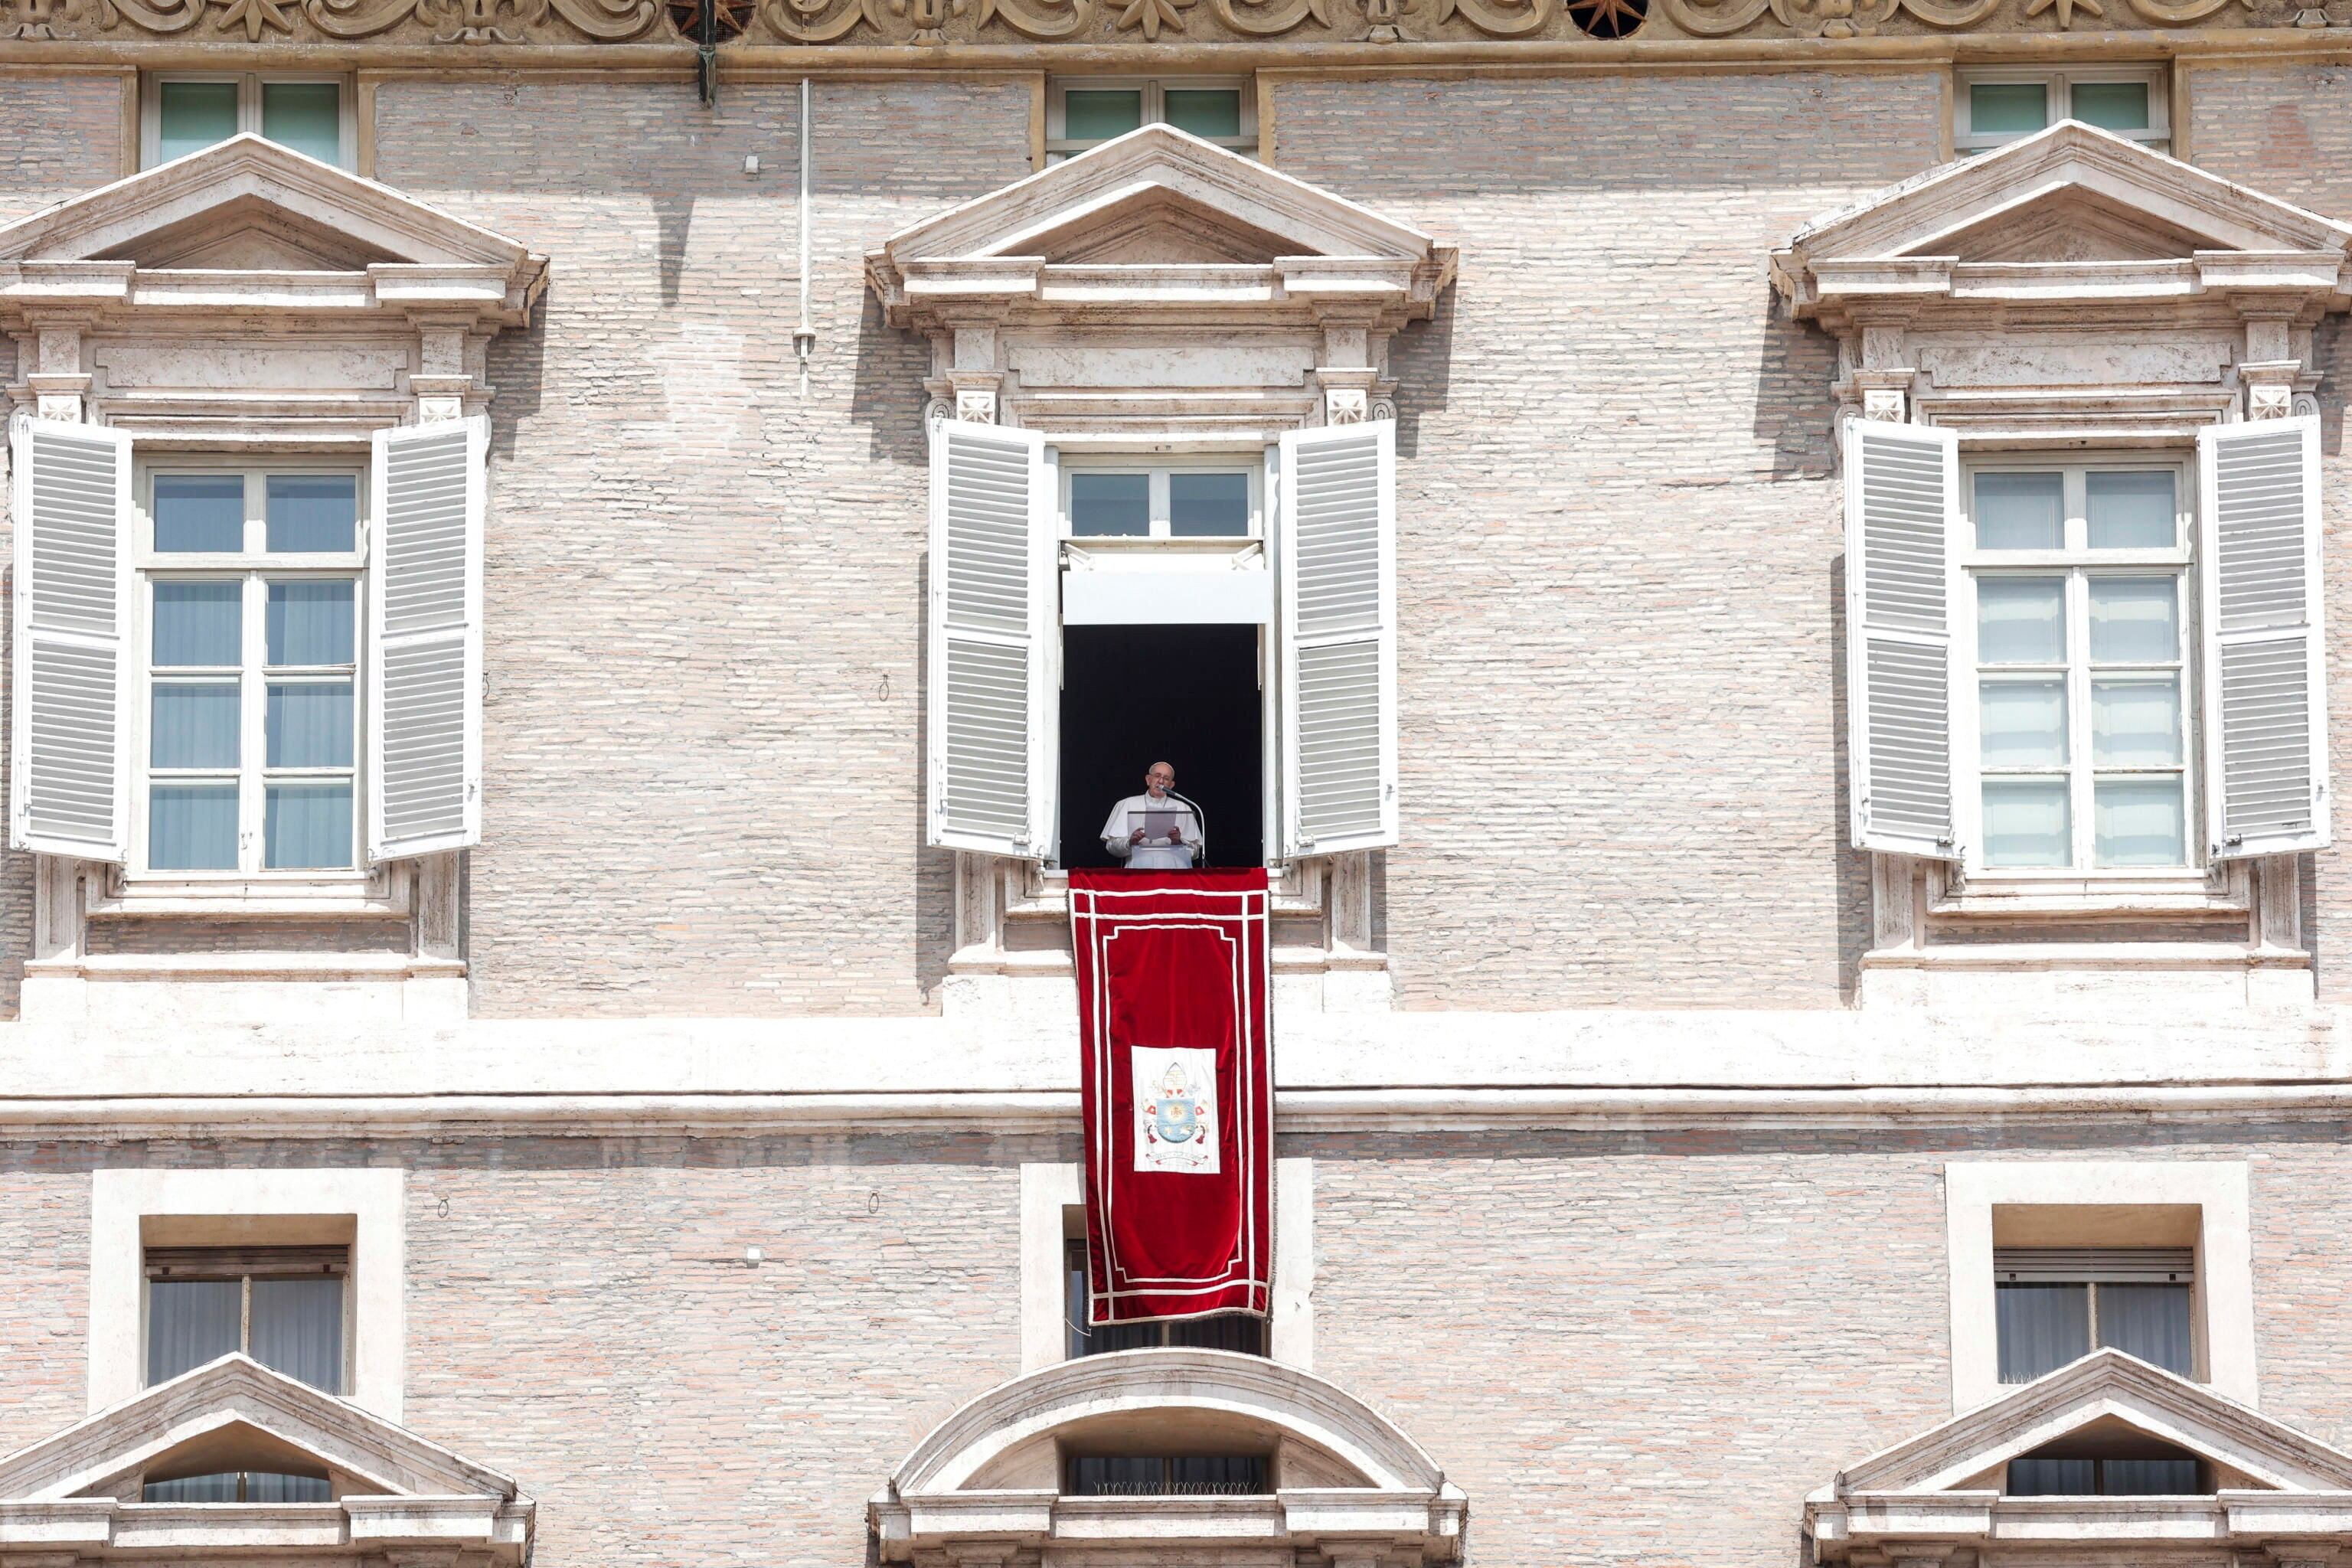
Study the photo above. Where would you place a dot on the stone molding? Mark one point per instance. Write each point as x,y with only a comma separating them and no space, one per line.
949,1501
1923,1500
74,1493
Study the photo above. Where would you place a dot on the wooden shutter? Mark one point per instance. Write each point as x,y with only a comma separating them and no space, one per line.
425,654
2265,702
1336,563
69,771
994,610
1902,502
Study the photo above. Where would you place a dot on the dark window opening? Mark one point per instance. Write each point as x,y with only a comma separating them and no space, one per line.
239,1486
1188,695
2107,1466
2052,1306
282,1306
1189,1475
1242,1331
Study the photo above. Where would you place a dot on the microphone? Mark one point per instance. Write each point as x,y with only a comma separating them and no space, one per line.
1201,818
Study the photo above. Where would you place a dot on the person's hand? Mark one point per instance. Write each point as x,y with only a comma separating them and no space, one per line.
1176,835
1136,837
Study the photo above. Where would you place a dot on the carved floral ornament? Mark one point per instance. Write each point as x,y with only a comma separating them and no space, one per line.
1096,22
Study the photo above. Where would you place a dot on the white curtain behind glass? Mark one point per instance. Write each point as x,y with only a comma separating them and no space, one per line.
2151,1322
190,1322
298,1329
2040,1328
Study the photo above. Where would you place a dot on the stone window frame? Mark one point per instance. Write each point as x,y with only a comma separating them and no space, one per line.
248,99
2111,1197
131,1209
1053,1199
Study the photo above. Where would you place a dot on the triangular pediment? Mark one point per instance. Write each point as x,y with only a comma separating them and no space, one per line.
249,203
2070,213
232,1413
1159,195
2106,1396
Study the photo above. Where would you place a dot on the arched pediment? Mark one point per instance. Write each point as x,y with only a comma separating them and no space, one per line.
82,1487
990,1473
1949,1486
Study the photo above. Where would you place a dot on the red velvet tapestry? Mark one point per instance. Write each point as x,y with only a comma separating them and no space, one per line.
1177,1086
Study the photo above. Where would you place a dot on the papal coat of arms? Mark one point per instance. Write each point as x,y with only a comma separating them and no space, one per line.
1175,1108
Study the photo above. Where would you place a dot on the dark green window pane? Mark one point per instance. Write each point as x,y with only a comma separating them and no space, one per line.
307,115
2112,105
193,115
1097,114
1205,111
2008,108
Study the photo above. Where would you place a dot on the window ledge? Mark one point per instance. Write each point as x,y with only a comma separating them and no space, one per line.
2226,891
1040,893
248,966
1282,960
2119,955
384,893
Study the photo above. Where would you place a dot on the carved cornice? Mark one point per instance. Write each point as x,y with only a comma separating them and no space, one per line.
1149,26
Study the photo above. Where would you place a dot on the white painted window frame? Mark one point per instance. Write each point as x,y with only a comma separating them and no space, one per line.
252,566
2062,83
249,108
131,1209
1051,1191
1250,461
1060,144
2073,563
2223,1329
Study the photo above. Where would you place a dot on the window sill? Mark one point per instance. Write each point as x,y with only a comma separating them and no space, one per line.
1043,893
384,893
2224,892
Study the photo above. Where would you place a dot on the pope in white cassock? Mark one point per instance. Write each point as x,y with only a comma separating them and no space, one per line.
1127,835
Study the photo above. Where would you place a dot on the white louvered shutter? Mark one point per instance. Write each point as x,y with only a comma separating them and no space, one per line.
994,610
1902,502
2265,705
67,773
1337,562
425,663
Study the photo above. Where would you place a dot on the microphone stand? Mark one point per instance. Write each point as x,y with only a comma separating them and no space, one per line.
1198,816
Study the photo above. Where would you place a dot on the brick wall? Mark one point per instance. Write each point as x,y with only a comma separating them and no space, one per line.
1627,1349
704,725
2283,130
1619,553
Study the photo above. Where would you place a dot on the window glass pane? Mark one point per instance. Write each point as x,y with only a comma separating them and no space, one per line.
309,623
1237,1331
265,1486
313,512
200,513
308,724
199,624
2136,724
1100,1475
2131,510
2021,620
2151,1322
2137,822
193,115
1205,506
307,826
221,1488
1204,111
2053,1477
2027,822
2040,1328
1216,1475
2022,723
1097,114
2111,105
298,1329
2021,511
2134,620
307,115
194,725
190,1322
192,827
2008,108
2148,1478
1107,505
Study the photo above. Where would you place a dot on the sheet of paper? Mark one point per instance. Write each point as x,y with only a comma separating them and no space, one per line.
1156,824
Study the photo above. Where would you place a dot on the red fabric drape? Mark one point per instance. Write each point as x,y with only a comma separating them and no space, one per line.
1177,1086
